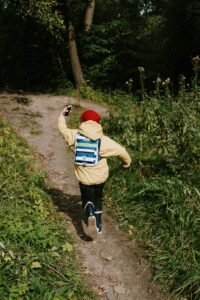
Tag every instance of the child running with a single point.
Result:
(91, 149)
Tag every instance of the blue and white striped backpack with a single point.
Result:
(87, 151)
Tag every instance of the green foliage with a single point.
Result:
(107, 50)
(157, 199)
(36, 254)
(90, 94)
(177, 37)
(33, 46)
(158, 35)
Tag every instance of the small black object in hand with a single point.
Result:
(67, 110)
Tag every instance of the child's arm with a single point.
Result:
(66, 111)
(126, 166)
(111, 148)
(68, 134)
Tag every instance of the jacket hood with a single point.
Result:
(91, 129)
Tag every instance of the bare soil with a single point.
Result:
(113, 264)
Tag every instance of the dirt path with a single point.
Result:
(113, 264)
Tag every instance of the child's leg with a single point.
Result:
(98, 205)
(92, 197)
(87, 196)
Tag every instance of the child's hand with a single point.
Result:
(126, 166)
(66, 110)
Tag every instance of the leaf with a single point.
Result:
(109, 258)
(11, 254)
(99, 289)
(55, 254)
(67, 247)
(7, 258)
(35, 265)
(6, 130)
(197, 191)
(22, 289)
(24, 271)
(2, 245)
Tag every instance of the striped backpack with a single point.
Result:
(87, 151)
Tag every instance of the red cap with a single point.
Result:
(90, 115)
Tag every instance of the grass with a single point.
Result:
(158, 199)
(37, 256)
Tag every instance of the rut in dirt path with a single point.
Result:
(113, 264)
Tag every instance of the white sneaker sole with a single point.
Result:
(92, 231)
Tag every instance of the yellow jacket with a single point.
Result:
(93, 130)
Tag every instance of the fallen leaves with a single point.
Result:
(99, 289)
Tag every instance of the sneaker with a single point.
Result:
(99, 231)
(98, 215)
(92, 228)
(89, 209)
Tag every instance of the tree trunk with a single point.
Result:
(74, 58)
(89, 15)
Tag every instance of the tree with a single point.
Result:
(30, 24)
(175, 37)
(74, 58)
(182, 28)
(89, 15)
(109, 52)
(31, 52)
(69, 12)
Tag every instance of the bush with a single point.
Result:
(157, 199)
(36, 254)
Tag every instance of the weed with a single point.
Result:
(37, 258)
(157, 199)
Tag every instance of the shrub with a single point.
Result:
(36, 254)
(157, 199)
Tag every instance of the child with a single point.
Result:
(92, 178)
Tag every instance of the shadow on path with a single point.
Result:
(71, 205)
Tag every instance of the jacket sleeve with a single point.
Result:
(111, 148)
(67, 134)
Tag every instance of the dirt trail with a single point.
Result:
(113, 264)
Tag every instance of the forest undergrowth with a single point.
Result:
(37, 255)
(158, 199)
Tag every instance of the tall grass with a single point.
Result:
(37, 258)
(158, 199)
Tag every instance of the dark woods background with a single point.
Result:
(159, 35)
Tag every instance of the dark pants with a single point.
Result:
(92, 193)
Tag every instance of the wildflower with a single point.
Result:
(158, 80)
(167, 81)
(141, 69)
(196, 63)
(129, 83)
(196, 59)
(183, 77)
